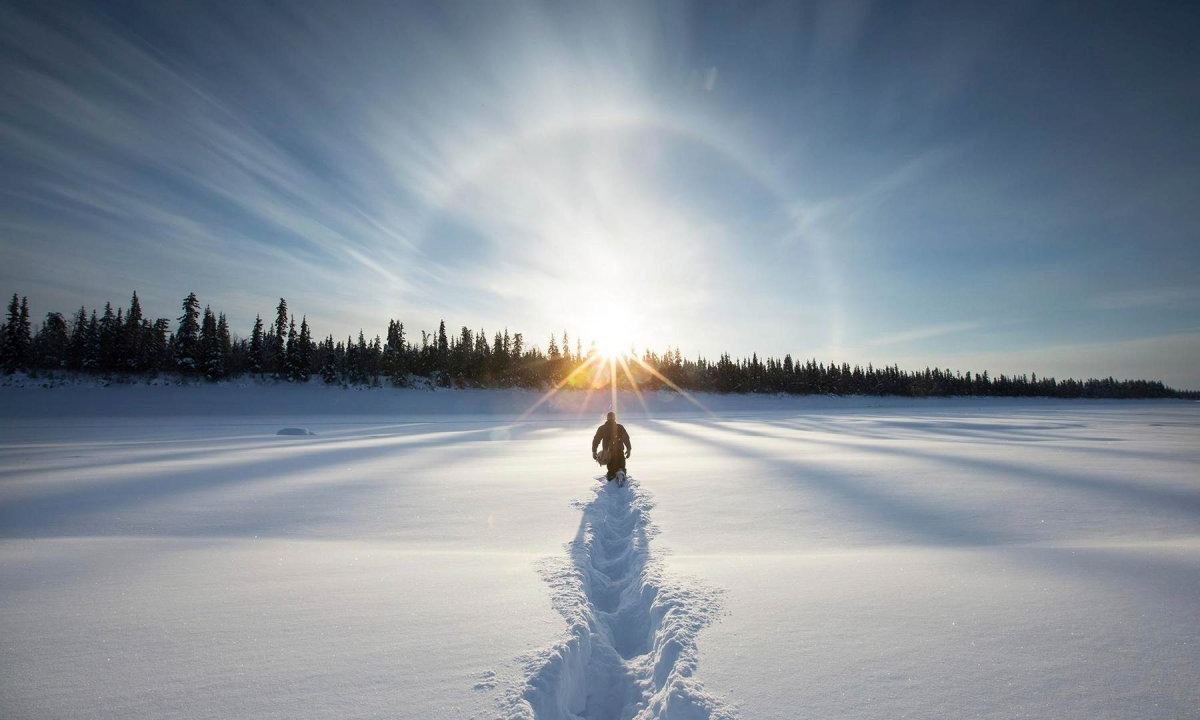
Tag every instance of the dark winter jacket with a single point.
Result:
(606, 435)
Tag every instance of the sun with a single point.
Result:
(610, 349)
(608, 338)
(611, 361)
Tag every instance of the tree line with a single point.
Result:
(200, 344)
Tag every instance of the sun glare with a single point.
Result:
(610, 349)
(609, 340)
(610, 362)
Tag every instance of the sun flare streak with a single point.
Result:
(593, 371)
(579, 369)
(662, 378)
(637, 391)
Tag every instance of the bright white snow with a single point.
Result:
(164, 553)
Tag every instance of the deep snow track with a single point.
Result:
(630, 651)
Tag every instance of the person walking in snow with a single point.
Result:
(613, 441)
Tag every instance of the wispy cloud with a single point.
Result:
(762, 179)
(128, 137)
(917, 334)
(514, 148)
(1144, 298)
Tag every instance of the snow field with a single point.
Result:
(164, 553)
(218, 628)
(944, 562)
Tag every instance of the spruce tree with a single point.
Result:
(9, 344)
(52, 342)
(209, 347)
(110, 333)
(293, 352)
(91, 358)
(224, 344)
(329, 363)
(76, 351)
(498, 361)
(24, 335)
(299, 351)
(303, 362)
(375, 358)
(517, 366)
(255, 355)
(279, 340)
(131, 337)
(160, 345)
(395, 339)
(187, 336)
(356, 359)
(395, 364)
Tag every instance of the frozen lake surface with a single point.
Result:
(166, 553)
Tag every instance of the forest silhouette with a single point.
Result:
(124, 342)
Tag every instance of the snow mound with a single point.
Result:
(295, 431)
(630, 650)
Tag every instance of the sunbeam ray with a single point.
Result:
(633, 385)
(562, 383)
(673, 386)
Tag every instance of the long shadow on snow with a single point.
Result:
(882, 508)
(1172, 500)
(143, 455)
(631, 645)
(77, 509)
(871, 430)
(1160, 573)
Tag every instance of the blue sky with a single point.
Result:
(1001, 186)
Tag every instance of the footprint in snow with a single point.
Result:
(630, 649)
(487, 681)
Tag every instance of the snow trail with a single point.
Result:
(630, 650)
